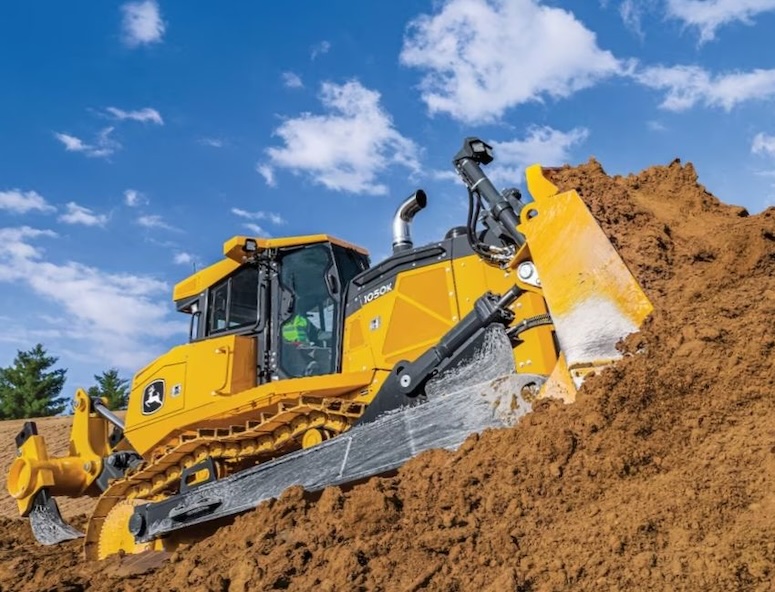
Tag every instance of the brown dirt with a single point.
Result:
(660, 477)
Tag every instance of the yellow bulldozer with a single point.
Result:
(305, 365)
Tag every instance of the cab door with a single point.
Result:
(306, 311)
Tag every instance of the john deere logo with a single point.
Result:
(153, 397)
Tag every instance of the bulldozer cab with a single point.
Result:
(288, 297)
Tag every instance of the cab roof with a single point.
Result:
(234, 251)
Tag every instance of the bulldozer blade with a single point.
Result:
(482, 393)
(592, 296)
(46, 522)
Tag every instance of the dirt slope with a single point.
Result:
(660, 477)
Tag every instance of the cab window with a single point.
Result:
(234, 302)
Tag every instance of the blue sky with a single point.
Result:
(136, 137)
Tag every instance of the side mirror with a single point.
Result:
(193, 328)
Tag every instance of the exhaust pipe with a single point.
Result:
(402, 237)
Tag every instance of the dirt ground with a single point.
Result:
(660, 477)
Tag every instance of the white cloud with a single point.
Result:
(76, 214)
(119, 319)
(145, 115)
(319, 49)
(482, 57)
(349, 146)
(102, 147)
(134, 198)
(292, 80)
(270, 216)
(154, 221)
(445, 175)
(709, 15)
(21, 202)
(72, 143)
(184, 259)
(763, 144)
(544, 145)
(656, 126)
(14, 244)
(256, 230)
(212, 142)
(631, 12)
(687, 86)
(142, 23)
(15, 333)
(267, 172)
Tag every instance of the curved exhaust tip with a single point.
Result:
(421, 197)
(402, 236)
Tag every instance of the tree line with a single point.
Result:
(31, 386)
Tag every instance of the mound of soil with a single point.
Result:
(660, 476)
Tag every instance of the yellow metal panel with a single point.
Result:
(412, 330)
(194, 374)
(243, 366)
(358, 354)
(430, 289)
(539, 186)
(473, 277)
(375, 321)
(404, 321)
(353, 334)
(203, 279)
(171, 368)
(593, 298)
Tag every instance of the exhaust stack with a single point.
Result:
(402, 236)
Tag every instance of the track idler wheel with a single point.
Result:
(116, 536)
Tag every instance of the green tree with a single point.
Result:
(111, 386)
(28, 388)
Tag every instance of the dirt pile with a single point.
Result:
(661, 476)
